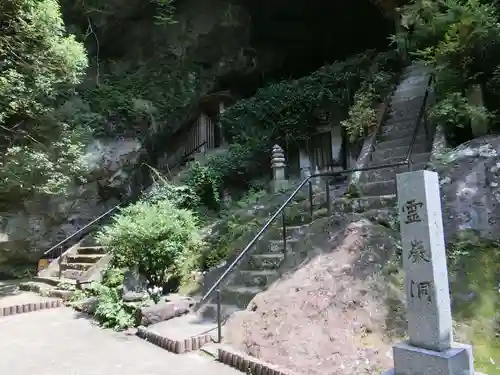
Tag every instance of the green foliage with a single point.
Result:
(455, 38)
(39, 60)
(362, 115)
(205, 180)
(234, 229)
(145, 93)
(476, 262)
(287, 113)
(454, 111)
(155, 237)
(181, 196)
(111, 311)
(288, 110)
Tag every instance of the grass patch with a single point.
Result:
(476, 297)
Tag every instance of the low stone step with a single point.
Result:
(394, 124)
(88, 250)
(209, 311)
(72, 274)
(264, 262)
(255, 278)
(398, 152)
(363, 204)
(402, 133)
(76, 266)
(277, 246)
(388, 173)
(416, 158)
(405, 102)
(88, 258)
(54, 281)
(292, 232)
(377, 188)
(404, 141)
(89, 241)
(238, 295)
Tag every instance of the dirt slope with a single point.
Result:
(329, 315)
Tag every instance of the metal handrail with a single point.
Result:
(110, 211)
(421, 114)
(281, 209)
(406, 162)
(81, 230)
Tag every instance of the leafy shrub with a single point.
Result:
(458, 40)
(155, 237)
(111, 311)
(362, 115)
(454, 111)
(181, 196)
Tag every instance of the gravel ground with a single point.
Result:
(61, 342)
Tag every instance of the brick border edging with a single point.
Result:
(246, 363)
(174, 346)
(30, 307)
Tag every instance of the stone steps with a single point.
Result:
(209, 311)
(81, 261)
(417, 158)
(389, 173)
(278, 247)
(377, 188)
(83, 258)
(384, 143)
(255, 278)
(76, 266)
(399, 152)
(265, 261)
(396, 134)
(405, 134)
(91, 250)
(239, 296)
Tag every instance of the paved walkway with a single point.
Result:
(60, 342)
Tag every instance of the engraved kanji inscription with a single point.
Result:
(421, 290)
(411, 209)
(418, 253)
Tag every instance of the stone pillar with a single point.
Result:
(278, 166)
(430, 348)
(305, 164)
(222, 108)
(337, 140)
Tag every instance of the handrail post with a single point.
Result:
(328, 198)
(219, 319)
(283, 233)
(310, 199)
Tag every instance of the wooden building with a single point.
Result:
(200, 133)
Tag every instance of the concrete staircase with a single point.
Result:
(82, 262)
(396, 133)
(378, 189)
(255, 274)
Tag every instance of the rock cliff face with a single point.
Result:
(40, 222)
(470, 187)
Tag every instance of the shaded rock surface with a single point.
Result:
(134, 286)
(470, 187)
(164, 311)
